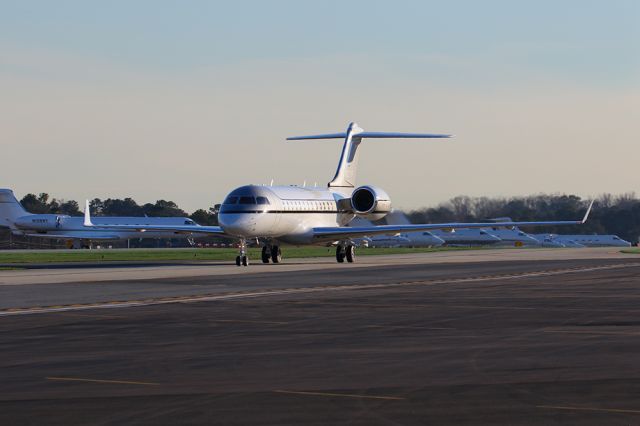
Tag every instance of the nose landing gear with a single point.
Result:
(242, 259)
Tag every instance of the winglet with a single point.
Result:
(586, 215)
(87, 214)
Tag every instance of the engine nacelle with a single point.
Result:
(370, 202)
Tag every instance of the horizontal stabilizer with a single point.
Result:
(372, 135)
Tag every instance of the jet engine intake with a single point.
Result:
(370, 202)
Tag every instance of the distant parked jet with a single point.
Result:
(511, 235)
(72, 229)
(584, 240)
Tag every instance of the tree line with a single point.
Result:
(612, 214)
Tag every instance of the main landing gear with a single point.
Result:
(242, 259)
(346, 252)
(271, 253)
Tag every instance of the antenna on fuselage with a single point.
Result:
(271, 182)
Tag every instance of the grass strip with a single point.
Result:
(195, 254)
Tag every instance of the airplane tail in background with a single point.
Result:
(10, 209)
(396, 217)
(345, 176)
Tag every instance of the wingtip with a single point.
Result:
(586, 215)
(87, 214)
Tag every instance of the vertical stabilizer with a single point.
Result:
(10, 209)
(348, 165)
(397, 217)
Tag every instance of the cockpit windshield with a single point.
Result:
(247, 200)
(262, 200)
(231, 200)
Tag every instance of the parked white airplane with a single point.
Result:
(466, 237)
(547, 240)
(413, 239)
(586, 240)
(294, 215)
(512, 235)
(72, 229)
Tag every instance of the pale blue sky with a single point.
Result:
(84, 79)
(593, 41)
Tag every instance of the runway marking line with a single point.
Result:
(344, 395)
(75, 314)
(118, 382)
(595, 332)
(301, 290)
(252, 322)
(606, 410)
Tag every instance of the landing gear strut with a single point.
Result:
(242, 259)
(346, 252)
(271, 253)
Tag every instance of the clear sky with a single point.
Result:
(187, 100)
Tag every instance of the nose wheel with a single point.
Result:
(242, 259)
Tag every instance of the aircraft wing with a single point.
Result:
(336, 233)
(82, 236)
(186, 229)
(180, 229)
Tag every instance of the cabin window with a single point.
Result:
(247, 200)
(262, 200)
(189, 222)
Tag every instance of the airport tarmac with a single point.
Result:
(553, 339)
(125, 271)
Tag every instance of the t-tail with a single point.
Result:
(345, 176)
(10, 209)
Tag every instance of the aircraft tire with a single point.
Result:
(276, 254)
(245, 261)
(238, 261)
(266, 255)
(340, 254)
(351, 253)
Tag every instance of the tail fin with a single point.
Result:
(347, 167)
(396, 217)
(10, 209)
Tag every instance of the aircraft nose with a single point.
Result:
(237, 224)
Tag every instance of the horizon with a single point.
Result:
(445, 203)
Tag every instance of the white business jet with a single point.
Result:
(303, 216)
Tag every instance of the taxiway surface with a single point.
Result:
(518, 341)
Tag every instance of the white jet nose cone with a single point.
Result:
(238, 224)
